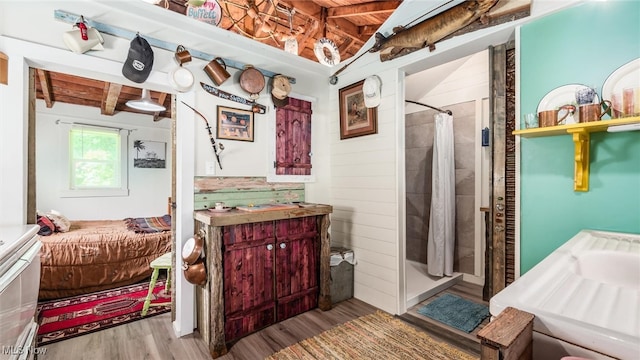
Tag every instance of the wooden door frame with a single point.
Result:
(496, 219)
(31, 207)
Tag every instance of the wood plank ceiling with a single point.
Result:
(348, 23)
(109, 97)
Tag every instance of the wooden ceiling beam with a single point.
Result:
(345, 28)
(110, 95)
(345, 45)
(370, 8)
(314, 11)
(268, 9)
(308, 39)
(45, 85)
(162, 97)
(306, 8)
(368, 30)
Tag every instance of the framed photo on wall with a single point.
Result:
(234, 124)
(355, 118)
(149, 154)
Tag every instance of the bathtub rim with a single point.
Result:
(587, 335)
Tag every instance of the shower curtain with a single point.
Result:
(441, 234)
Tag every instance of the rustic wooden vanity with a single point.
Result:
(262, 267)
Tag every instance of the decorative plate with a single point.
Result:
(224, 209)
(625, 77)
(563, 95)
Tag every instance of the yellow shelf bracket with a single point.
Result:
(581, 142)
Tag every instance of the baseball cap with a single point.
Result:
(280, 91)
(371, 90)
(139, 61)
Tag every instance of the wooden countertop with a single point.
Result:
(235, 216)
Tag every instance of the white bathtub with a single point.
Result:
(585, 294)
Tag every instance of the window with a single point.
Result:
(97, 159)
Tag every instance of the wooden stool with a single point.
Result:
(163, 262)
(508, 337)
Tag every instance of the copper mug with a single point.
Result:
(550, 117)
(182, 55)
(594, 112)
(217, 71)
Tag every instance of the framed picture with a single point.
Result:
(149, 154)
(355, 118)
(234, 124)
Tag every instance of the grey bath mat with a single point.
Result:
(456, 312)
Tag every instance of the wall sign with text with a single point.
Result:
(208, 11)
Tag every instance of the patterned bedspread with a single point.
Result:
(97, 255)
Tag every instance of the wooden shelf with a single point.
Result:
(581, 134)
(594, 126)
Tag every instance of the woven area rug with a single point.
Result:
(375, 336)
(70, 317)
(456, 312)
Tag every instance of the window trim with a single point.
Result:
(65, 182)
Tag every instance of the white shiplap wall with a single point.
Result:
(369, 216)
(364, 196)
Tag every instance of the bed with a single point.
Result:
(97, 255)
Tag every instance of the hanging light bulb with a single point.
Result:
(145, 103)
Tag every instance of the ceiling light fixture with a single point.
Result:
(145, 103)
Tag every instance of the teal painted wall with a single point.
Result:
(580, 45)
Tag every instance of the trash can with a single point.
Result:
(342, 261)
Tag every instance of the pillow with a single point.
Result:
(60, 221)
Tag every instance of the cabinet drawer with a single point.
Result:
(247, 232)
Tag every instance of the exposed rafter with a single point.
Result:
(110, 98)
(349, 24)
(45, 84)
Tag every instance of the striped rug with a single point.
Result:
(375, 336)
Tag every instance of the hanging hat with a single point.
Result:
(371, 90)
(280, 90)
(139, 62)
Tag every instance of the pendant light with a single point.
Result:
(145, 103)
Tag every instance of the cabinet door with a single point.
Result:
(297, 266)
(249, 301)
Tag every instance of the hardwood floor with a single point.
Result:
(153, 338)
